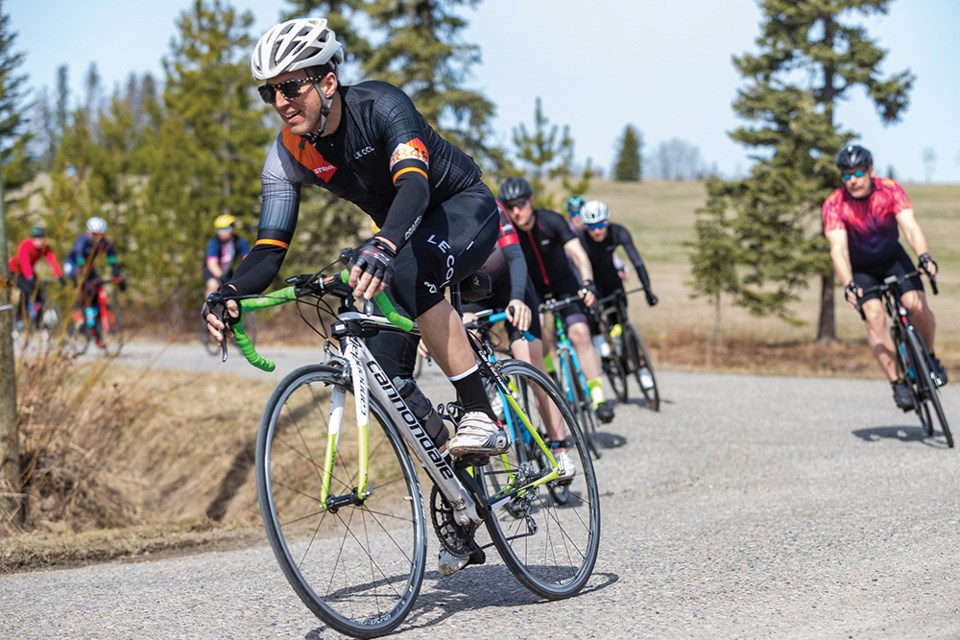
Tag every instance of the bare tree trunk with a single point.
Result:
(9, 438)
(717, 324)
(827, 327)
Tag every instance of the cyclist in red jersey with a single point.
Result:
(28, 254)
(862, 221)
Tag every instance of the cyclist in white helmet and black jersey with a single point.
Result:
(368, 144)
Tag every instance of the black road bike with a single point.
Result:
(913, 358)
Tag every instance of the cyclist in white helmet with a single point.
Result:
(368, 144)
(81, 264)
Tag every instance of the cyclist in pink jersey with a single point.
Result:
(862, 221)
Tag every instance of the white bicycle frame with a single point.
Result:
(369, 380)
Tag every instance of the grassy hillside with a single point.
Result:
(661, 216)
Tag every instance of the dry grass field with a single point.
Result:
(661, 216)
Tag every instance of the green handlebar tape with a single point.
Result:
(383, 303)
(287, 294)
(246, 348)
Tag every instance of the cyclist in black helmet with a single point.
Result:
(862, 221)
(549, 247)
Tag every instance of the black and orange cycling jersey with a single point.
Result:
(605, 271)
(383, 157)
(873, 237)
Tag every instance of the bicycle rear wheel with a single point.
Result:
(111, 331)
(926, 388)
(550, 545)
(358, 566)
(642, 367)
(617, 375)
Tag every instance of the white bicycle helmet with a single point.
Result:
(594, 212)
(295, 44)
(96, 224)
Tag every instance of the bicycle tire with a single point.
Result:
(640, 359)
(552, 548)
(209, 344)
(111, 332)
(926, 387)
(907, 372)
(617, 376)
(78, 337)
(358, 567)
(582, 403)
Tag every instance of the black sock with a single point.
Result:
(472, 394)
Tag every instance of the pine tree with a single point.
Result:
(205, 158)
(342, 16)
(423, 53)
(547, 151)
(811, 55)
(714, 255)
(18, 167)
(629, 167)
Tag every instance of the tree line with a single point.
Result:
(160, 158)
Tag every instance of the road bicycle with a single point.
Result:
(527, 450)
(627, 352)
(913, 359)
(342, 507)
(43, 320)
(570, 377)
(99, 322)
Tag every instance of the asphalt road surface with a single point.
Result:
(748, 507)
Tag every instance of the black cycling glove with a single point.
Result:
(376, 258)
(851, 290)
(652, 299)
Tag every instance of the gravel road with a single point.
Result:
(749, 507)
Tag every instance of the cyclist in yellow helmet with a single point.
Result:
(224, 252)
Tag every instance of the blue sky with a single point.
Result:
(662, 66)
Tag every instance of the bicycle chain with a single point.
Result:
(456, 539)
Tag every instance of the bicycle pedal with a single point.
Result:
(475, 460)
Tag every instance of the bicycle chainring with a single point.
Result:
(456, 539)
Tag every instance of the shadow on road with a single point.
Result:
(471, 590)
(912, 433)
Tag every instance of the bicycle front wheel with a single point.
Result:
(357, 562)
(550, 545)
(642, 367)
(927, 391)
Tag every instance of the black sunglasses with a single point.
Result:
(289, 88)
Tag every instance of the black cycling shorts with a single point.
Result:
(501, 298)
(871, 276)
(452, 244)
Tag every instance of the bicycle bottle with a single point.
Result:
(423, 409)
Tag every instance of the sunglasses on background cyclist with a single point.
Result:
(859, 173)
(291, 89)
(516, 204)
(596, 226)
